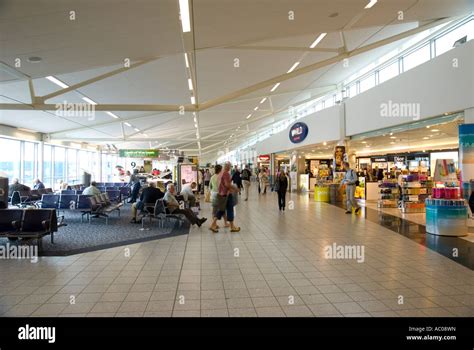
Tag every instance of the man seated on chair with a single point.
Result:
(173, 207)
(91, 190)
(148, 196)
(187, 191)
(17, 186)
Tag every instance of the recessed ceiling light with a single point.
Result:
(392, 143)
(248, 117)
(393, 137)
(426, 138)
(190, 84)
(34, 59)
(370, 4)
(186, 60)
(318, 40)
(137, 130)
(428, 126)
(184, 15)
(263, 100)
(325, 143)
(112, 115)
(128, 124)
(256, 108)
(193, 100)
(57, 81)
(275, 87)
(434, 130)
(364, 141)
(88, 100)
(293, 67)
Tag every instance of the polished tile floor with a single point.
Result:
(276, 266)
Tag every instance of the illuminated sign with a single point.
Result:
(139, 153)
(298, 132)
(264, 158)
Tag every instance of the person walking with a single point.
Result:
(263, 181)
(237, 179)
(350, 180)
(224, 199)
(281, 185)
(246, 175)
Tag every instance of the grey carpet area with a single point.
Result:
(79, 237)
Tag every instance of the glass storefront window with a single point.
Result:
(10, 161)
(416, 58)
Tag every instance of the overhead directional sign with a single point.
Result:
(139, 153)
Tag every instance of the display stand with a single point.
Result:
(321, 194)
(388, 194)
(446, 217)
(416, 188)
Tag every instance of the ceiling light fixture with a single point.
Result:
(393, 137)
(184, 14)
(370, 4)
(190, 84)
(112, 115)
(248, 117)
(293, 67)
(57, 81)
(193, 100)
(325, 143)
(128, 124)
(256, 108)
(318, 40)
(434, 130)
(275, 87)
(137, 130)
(88, 100)
(186, 60)
(263, 100)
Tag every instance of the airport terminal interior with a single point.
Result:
(237, 158)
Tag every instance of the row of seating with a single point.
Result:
(159, 211)
(111, 184)
(29, 223)
(92, 206)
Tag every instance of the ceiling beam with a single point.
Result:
(284, 48)
(103, 107)
(314, 66)
(42, 99)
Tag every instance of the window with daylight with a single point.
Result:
(72, 166)
(416, 58)
(59, 169)
(30, 155)
(446, 42)
(388, 72)
(367, 83)
(10, 161)
(47, 166)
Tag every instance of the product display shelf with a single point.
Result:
(388, 194)
(415, 190)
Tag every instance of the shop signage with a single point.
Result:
(139, 153)
(399, 159)
(379, 160)
(264, 158)
(298, 132)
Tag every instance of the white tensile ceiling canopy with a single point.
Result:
(157, 82)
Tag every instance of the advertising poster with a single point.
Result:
(339, 152)
(188, 172)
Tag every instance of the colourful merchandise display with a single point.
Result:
(446, 217)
